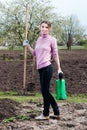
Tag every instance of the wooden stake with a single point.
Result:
(25, 49)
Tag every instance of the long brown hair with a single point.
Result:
(46, 22)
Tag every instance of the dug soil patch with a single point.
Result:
(73, 116)
(73, 64)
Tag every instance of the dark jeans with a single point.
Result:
(45, 78)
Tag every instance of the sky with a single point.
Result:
(71, 7)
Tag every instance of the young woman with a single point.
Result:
(46, 47)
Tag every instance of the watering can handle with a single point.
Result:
(60, 75)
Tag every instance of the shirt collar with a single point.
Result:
(44, 35)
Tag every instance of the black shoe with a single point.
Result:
(55, 116)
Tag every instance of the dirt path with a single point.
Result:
(73, 116)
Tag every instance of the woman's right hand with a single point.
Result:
(25, 42)
(60, 74)
(60, 71)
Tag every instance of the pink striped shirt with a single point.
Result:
(46, 46)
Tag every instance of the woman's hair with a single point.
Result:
(46, 22)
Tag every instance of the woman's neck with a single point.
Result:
(45, 35)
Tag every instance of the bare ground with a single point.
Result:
(74, 67)
(73, 116)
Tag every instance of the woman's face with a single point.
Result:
(44, 28)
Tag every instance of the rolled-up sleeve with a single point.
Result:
(34, 53)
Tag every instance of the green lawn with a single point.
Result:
(60, 47)
(37, 96)
(73, 47)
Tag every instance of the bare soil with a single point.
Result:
(73, 116)
(73, 63)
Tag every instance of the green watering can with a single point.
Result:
(60, 88)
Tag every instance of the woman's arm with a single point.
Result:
(30, 49)
(56, 59)
(54, 51)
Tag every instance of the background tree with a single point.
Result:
(12, 23)
(13, 19)
(72, 30)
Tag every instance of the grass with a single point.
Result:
(73, 47)
(13, 95)
(60, 47)
(80, 98)
(85, 46)
(15, 48)
(18, 48)
(11, 119)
